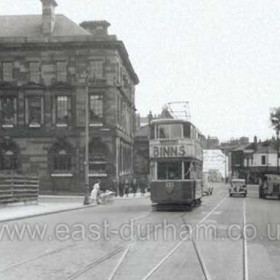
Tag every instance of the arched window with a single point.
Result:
(62, 161)
(61, 158)
(8, 156)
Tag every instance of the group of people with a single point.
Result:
(125, 189)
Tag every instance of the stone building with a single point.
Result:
(253, 160)
(49, 65)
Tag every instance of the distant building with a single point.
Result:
(211, 143)
(45, 61)
(226, 147)
(141, 153)
(253, 160)
(215, 162)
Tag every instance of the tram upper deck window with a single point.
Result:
(169, 131)
(169, 171)
(187, 130)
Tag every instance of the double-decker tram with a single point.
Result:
(175, 148)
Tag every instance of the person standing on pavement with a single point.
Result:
(94, 195)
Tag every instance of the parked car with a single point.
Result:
(238, 187)
(270, 186)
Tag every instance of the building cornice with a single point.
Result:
(62, 43)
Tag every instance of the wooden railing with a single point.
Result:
(17, 188)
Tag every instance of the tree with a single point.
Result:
(275, 123)
(275, 119)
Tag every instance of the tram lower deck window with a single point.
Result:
(169, 170)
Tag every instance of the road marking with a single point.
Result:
(181, 242)
(245, 247)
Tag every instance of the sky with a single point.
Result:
(222, 56)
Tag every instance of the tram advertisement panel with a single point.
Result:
(176, 151)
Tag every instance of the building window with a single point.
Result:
(118, 110)
(8, 161)
(97, 69)
(63, 110)
(97, 158)
(7, 71)
(61, 71)
(62, 161)
(8, 111)
(34, 68)
(96, 108)
(118, 74)
(97, 165)
(34, 111)
(263, 159)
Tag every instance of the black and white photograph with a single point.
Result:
(139, 140)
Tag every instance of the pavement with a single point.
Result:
(49, 204)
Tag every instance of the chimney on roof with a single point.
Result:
(48, 14)
(96, 27)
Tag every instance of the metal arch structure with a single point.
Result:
(178, 110)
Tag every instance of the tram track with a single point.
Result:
(40, 256)
(123, 248)
(244, 245)
(187, 237)
(126, 251)
(92, 264)
(120, 248)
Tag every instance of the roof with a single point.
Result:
(19, 29)
(31, 26)
(265, 148)
(241, 147)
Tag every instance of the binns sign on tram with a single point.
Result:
(175, 151)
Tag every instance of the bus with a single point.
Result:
(176, 158)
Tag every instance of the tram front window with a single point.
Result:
(169, 171)
(163, 131)
(169, 131)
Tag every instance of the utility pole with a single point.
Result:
(278, 152)
(86, 163)
(88, 80)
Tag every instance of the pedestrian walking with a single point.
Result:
(134, 186)
(95, 193)
(126, 187)
(143, 186)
